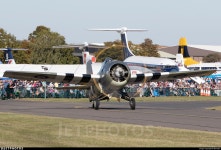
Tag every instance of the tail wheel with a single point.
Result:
(132, 103)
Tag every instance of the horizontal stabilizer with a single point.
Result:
(126, 50)
(120, 30)
(89, 45)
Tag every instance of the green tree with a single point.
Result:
(149, 49)
(41, 42)
(213, 57)
(112, 50)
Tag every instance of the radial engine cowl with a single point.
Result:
(115, 76)
(119, 72)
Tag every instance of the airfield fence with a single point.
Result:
(157, 91)
(37, 89)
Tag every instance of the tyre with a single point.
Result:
(132, 103)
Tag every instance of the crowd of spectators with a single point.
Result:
(36, 89)
(10, 89)
(179, 87)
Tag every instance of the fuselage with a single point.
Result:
(151, 64)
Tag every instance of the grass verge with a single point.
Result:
(215, 108)
(40, 131)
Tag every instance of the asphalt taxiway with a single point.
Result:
(192, 115)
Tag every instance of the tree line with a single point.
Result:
(42, 39)
(40, 42)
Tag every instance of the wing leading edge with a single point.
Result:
(80, 79)
(163, 76)
(88, 79)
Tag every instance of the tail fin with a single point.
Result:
(8, 54)
(126, 50)
(86, 57)
(183, 49)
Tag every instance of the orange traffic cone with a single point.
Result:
(202, 92)
(208, 92)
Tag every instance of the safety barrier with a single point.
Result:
(132, 91)
(36, 93)
(176, 92)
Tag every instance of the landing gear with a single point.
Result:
(131, 100)
(96, 104)
(132, 103)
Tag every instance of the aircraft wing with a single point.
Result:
(80, 79)
(88, 79)
(163, 76)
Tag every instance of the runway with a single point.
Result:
(185, 115)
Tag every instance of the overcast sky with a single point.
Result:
(166, 20)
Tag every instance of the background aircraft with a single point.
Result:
(85, 47)
(8, 54)
(182, 67)
(189, 63)
(183, 49)
(142, 63)
(9, 59)
(206, 66)
(49, 67)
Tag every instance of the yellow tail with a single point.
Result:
(183, 49)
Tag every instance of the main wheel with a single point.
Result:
(93, 104)
(132, 103)
(97, 104)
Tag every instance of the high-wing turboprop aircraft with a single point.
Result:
(109, 81)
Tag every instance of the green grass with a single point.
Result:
(215, 108)
(40, 131)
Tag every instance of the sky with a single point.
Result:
(199, 21)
